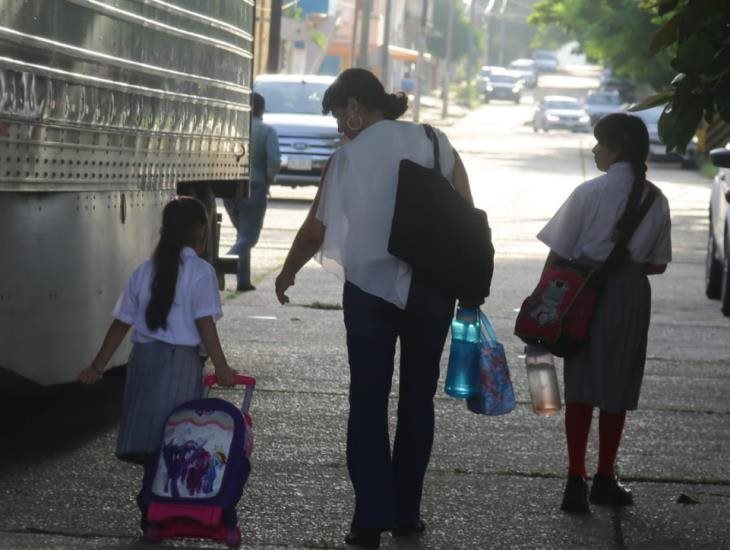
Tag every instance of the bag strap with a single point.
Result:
(488, 333)
(435, 142)
(619, 249)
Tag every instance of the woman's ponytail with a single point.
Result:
(394, 105)
(179, 220)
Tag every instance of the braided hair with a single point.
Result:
(180, 217)
(627, 135)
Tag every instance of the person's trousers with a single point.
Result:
(247, 216)
(388, 486)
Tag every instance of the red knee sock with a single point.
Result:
(577, 426)
(610, 428)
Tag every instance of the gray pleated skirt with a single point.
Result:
(607, 373)
(160, 377)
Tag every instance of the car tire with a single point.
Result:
(725, 292)
(689, 164)
(713, 269)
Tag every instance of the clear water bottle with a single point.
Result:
(542, 380)
(462, 375)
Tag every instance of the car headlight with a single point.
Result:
(516, 89)
(552, 118)
(695, 140)
(585, 118)
(490, 88)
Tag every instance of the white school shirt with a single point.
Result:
(196, 296)
(583, 225)
(357, 203)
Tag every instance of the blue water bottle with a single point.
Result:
(462, 376)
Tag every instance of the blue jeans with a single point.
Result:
(388, 486)
(247, 216)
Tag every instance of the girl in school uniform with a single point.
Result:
(172, 302)
(607, 372)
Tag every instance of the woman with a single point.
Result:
(349, 223)
(607, 372)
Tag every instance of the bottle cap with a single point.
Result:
(467, 314)
(535, 349)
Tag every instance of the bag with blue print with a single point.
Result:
(496, 395)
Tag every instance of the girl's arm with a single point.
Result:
(308, 241)
(114, 336)
(209, 336)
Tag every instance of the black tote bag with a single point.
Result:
(445, 239)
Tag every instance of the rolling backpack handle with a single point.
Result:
(238, 380)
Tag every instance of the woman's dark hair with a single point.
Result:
(365, 87)
(180, 217)
(258, 104)
(626, 135)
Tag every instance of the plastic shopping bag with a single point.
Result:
(496, 395)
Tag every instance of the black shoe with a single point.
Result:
(608, 491)
(408, 529)
(364, 538)
(575, 496)
(245, 288)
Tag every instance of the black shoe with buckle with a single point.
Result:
(364, 538)
(575, 496)
(409, 529)
(607, 491)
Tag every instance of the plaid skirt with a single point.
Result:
(160, 377)
(608, 371)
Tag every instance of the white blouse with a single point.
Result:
(357, 203)
(583, 225)
(196, 296)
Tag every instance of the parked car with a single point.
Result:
(307, 138)
(483, 77)
(717, 263)
(556, 111)
(626, 89)
(526, 68)
(545, 60)
(504, 85)
(657, 149)
(599, 103)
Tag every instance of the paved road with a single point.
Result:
(493, 482)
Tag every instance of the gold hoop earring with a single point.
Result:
(351, 126)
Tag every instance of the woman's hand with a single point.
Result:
(90, 375)
(226, 375)
(283, 281)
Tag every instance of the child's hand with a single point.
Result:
(90, 375)
(225, 376)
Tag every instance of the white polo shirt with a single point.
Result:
(196, 296)
(582, 227)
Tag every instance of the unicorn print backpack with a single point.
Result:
(193, 484)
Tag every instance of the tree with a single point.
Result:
(462, 35)
(697, 35)
(613, 32)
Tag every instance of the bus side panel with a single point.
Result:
(67, 257)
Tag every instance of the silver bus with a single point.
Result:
(107, 109)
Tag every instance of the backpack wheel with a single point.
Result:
(233, 537)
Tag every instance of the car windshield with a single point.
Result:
(304, 98)
(544, 56)
(503, 78)
(563, 104)
(603, 99)
(484, 72)
(650, 116)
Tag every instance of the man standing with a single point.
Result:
(247, 214)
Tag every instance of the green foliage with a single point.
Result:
(697, 34)
(615, 33)
(467, 95)
(462, 32)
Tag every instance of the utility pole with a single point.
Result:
(385, 59)
(272, 63)
(447, 63)
(419, 62)
(365, 34)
